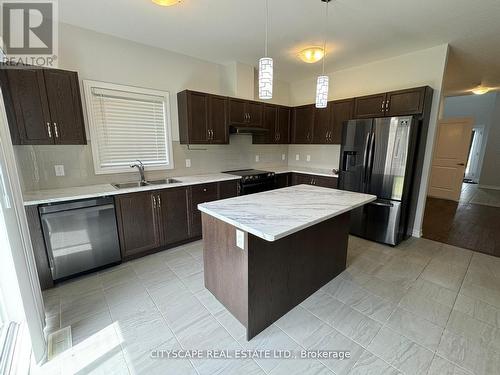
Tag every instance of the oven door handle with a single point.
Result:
(261, 183)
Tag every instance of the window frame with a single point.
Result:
(88, 85)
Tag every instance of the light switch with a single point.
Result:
(283, 156)
(308, 157)
(188, 163)
(240, 239)
(59, 170)
(257, 158)
(297, 157)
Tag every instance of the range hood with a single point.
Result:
(241, 129)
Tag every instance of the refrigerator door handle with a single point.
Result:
(371, 151)
(382, 204)
(365, 156)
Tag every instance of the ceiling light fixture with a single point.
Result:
(480, 90)
(266, 67)
(322, 84)
(311, 55)
(166, 3)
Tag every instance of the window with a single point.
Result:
(127, 124)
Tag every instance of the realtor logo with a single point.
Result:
(29, 32)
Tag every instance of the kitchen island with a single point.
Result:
(265, 253)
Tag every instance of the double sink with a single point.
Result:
(128, 185)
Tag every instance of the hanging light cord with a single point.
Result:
(267, 26)
(326, 33)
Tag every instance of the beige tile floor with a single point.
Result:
(421, 308)
(472, 193)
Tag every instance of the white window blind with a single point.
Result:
(128, 124)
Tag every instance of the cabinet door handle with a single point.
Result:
(204, 190)
(383, 105)
(159, 201)
(56, 132)
(49, 131)
(154, 202)
(387, 105)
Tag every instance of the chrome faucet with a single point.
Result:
(140, 167)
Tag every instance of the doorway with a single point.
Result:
(473, 168)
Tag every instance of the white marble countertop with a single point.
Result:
(314, 171)
(92, 191)
(275, 214)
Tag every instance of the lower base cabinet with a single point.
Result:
(283, 180)
(323, 181)
(174, 215)
(200, 194)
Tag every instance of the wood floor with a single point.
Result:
(472, 226)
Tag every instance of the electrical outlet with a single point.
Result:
(283, 157)
(297, 157)
(59, 170)
(240, 239)
(308, 157)
(188, 163)
(257, 158)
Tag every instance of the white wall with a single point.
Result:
(490, 176)
(425, 67)
(479, 107)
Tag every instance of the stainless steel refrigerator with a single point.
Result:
(378, 157)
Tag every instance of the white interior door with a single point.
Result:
(450, 158)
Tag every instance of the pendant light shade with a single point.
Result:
(322, 84)
(266, 67)
(266, 78)
(322, 92)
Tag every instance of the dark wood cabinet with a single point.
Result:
(302, 124)
(322, 125)
(138, 228)
(174, 215)
(405, 102)
(202, 118)
(283, 126)
(283, 180)
(394, 103)
(200, 194)
(276, 120)
(47, 106)
(369, 106)
(228, 189)
(308, 179)
(341, 111)
(245, 112)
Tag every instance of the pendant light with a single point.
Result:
(266, 67)
(323, 80)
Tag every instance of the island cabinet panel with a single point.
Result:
(228, 189)
(137, 218)
(263, 281)
(202, 118)
(174, 215)
(47, 106)
(302, 124)
(200, 194)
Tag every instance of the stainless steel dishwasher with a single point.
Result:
(80, 235)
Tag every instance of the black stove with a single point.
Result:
(254, 181)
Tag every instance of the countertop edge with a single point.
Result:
(114, 191)
(271, 237)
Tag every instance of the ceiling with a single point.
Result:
(360, 31)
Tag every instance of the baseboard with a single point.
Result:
(493, 187)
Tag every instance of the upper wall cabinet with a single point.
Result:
(302, 124)
(245, 112)
(395, 103)
(46, 106)
(328, 121)
(276, 120)
(202, 118)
